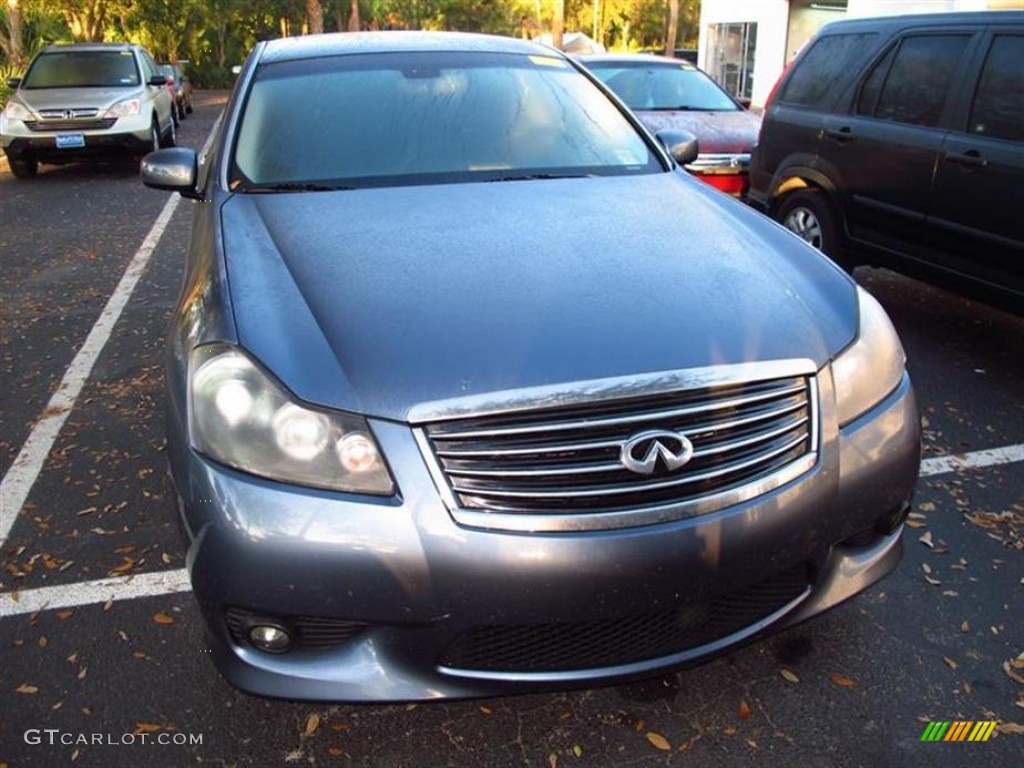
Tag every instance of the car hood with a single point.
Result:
(716, 132)
(38, 99)
(377, 300)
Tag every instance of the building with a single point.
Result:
(746, 44)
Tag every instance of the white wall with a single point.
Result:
(894, 7)
(772, 17)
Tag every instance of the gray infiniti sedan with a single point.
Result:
(460, 405)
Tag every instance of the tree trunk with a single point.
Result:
(673, 28)
(315, 17)
(558, 24)
(12, 46)
(353, 17)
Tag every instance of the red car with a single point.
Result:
(674, 94)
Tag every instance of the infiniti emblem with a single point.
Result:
(641, 451)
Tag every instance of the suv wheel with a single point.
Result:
(180, 106)
(24, 169)
(808, 215)
(171, 137)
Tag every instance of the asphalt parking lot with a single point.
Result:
(104, 662)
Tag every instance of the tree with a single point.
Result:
(353, 16)
(314, 17)
(10, 34)
(673, 28)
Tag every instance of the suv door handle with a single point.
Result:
(842, 135)
(970, 157)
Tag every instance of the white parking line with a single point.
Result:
(938, 465)
(22, 474)
(172, 582)
(90, 592)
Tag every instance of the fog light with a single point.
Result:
(270, 638)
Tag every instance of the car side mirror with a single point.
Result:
(681, 145)
(13, 82)
(160, 80)
(174, 169)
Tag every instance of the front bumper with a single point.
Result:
(127, 136)
(417, 584)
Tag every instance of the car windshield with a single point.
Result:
(420, 118)
(665, 86)
(82, 69)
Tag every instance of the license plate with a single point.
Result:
(70, 140)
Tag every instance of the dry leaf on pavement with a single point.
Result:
(789, 675)
(659, 741)
(312, 724)
(162, 618)
(744, 710)
(842, 681)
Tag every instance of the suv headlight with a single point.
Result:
(239, 416)
(16, 111)
(125, 108)
(872, 367)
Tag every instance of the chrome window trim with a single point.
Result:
(611, 389)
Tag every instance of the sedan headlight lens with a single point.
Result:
(241, 417)
(125, 108)
(16, 111)
(872, 367)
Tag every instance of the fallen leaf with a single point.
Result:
(1015, 728)
(486, 710)
(842, 681)
(730, 730)
(926, 539)
(162, 618)
(659, 741)
(965, 626)
(26, 688)
(108, 605)
(933, 582)
(312, 724)
(577, 750)
(82, 673)
(926, 568)
(789, 675)
(43, 642)
(166, 558)
(147, 727)
(63, 615)
(335, 752)
(58, 705)
(744, 710)
(926, 506)
(1012, 673)
(553, 760)
(950, 662)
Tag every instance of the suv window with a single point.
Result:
(909, 84)
(998, 109)
(824, 63)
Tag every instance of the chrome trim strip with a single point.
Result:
(616, 388)
(616, 466)
(611, 421)
(554, 522)
(615, 490)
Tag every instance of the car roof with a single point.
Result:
(342, 43)
(91, 47)
(924, 20)
(633, 58)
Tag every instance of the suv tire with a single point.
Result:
(24, 169)
(171, 137)
(808, 214)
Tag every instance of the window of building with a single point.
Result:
(732, 56)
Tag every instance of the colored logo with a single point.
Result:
(958, 730)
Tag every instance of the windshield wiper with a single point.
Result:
(682, 108)
(535, 176)
(293, 186)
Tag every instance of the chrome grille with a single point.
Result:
(70, 125)
(566, 461)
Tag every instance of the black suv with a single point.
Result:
(900, 142)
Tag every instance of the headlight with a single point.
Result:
(872, 367)
(16, 111)
(240, 417)
(125, 108)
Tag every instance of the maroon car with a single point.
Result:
(674, 94)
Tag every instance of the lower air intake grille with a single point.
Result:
(595, 644)
(311, 632)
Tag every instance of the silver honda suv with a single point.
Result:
(83, 101)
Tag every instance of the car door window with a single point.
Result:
(872, 86)
(998, 109)
(828, 59)
(913, 89)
